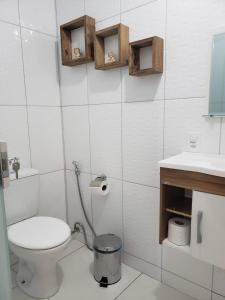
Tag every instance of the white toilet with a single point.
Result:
(37, 241)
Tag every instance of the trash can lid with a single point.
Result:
(107, 243)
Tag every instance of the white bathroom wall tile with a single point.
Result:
(185, 287)
(222, 146)
(146, 288)
(131, 4)
(73, 84)
(40, 64)
(103, 86)
(142, 141)
(11, 72)
(75, 213)
(142, 266)
(99, 10)
(217, 297)
(107, 22)
(46, 138)
(141, 222)
(191, 269)
(107, 210)
(38, 15)
(9, 11)
(186, 116)
(188, 49)
(52, 195)
(13, 129)
(76, 137)
(69, 11)
(143, 88)
(146, 21)
(105, 122)
(218, 281)
(143, 22)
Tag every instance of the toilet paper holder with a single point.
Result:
(98, 179)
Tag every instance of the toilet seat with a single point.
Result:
(39, 233)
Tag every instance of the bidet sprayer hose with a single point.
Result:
(77, 173)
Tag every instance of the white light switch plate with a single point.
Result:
(193, 141)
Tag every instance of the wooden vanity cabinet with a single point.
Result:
(201, 198)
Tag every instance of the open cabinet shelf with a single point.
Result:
(122, 32)
(156, 44)
(88, 24)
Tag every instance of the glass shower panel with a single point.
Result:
(5, 279)
(217, 78)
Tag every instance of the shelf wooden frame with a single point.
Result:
(156, 43)
(173, 184)
(66, 49)
(123, 46)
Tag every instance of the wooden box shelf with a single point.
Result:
(156, 43)
(123, 43)
(66, 41)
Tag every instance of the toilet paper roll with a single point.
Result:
(179, 230)
(100, 187)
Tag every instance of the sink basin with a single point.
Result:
(210, 164)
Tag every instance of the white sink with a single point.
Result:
(197, 162)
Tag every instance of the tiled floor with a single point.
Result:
(78, 282)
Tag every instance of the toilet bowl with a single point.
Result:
(39, 242)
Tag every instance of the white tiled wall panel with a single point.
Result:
(73, 83)
(222, 146)
(38, 15)
(218, 281)
(146, 21)
(217, 297)
(70, 10)
(99, 10)
(76, 135)
(46, 134)
(191, 269)
(105, 122)
(75, 213)
(186, 116)
(185, 287)
(142, 141)
(11, 71)
(107, 211)
(141, 222)
(52, 195)
(142, 266)
(40, 64)
(13, 129)
(130, 4)
(9, 11)
(103, 86)
(188, 59)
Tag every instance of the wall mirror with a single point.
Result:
(217, 77)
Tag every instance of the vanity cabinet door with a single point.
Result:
(208, 228)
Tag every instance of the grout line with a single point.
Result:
(25, 90)
(128, 286)
(71, 252)
(62, 122)
(149, 263)
(220, 136)
(192, 282)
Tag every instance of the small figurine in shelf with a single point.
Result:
(76, 54)
(111, 57)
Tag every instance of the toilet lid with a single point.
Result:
(39, 233)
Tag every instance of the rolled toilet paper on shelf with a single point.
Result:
(99, 186)
(179, 231)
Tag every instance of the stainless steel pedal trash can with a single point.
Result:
(107, 259)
